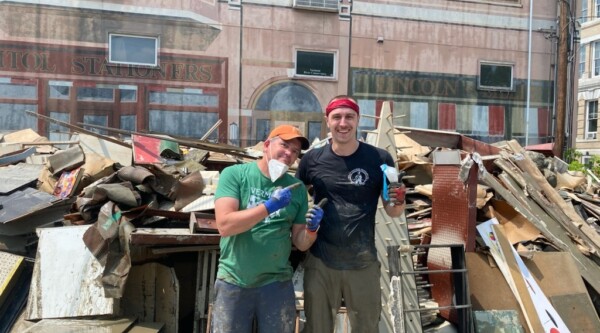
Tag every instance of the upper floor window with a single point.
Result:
(133, 50)
(597, 58)
(315, 64)
(495, 76)
(591, 120)
(18, 89)
(584, 11)
(582, 49)
(597, 7)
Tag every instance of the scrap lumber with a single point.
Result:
(78, 129)
(214, 147)
(547, 226)
(539, 183)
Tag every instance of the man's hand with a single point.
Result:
(280, 198)
(397, 193)
(313, 218)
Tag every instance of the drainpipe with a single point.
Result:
(528, 73)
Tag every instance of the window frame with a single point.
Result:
(582, 60)
(111, 51)
(333, 75)
(587, 134)
(481, 86)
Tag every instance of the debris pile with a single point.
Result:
(105, 232)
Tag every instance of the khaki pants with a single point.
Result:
(324, 289)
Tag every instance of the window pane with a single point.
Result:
(128, 95)
(96, 120)
(187, 124)
(59, 92)
(133, 50)
(95, 94)
(183, 99)
(495, 76)
(13, 117)
(18, 91)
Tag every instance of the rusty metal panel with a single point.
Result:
(171, 236)
(453, 222)
(66, 279)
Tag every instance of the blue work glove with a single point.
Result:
(280, 198)
(313, 218)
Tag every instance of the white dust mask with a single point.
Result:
(276, 168)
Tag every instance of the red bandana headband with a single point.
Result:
(341, 103)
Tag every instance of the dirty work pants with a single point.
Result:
(273, 306)
(323, 291)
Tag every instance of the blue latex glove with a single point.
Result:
(313, 218)
(280, 198)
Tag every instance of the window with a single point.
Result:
(316, 64)
(59, 89)
(584, 11)
(596, 58)
(185, 97)
(133, 50)
(582, 60)
(14, 89)
(597, 3)
(495, 76)
(591, 120)
(95, 94)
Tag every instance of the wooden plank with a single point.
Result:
(508, 269)
(572, 221)
(588, 268)
(171, 236)
(557, 275)
(482, 276)
(549, 318)
(167, 298)
(139, 297)
(119, 325)
(147, 327)
(66, 277)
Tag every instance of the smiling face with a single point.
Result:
(284, 151)
(342, 123)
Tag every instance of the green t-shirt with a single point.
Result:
(260, 255)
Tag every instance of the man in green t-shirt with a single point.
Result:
(260, 211)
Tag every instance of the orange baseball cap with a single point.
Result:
(289, 132)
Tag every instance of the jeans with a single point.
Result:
(272, 306)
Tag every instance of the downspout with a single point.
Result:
(348, 88)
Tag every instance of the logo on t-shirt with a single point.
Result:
(358, 177)
(257, 197)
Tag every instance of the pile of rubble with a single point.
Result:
(105, 232)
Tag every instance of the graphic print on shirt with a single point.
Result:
(358, 177)
(257, 197)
